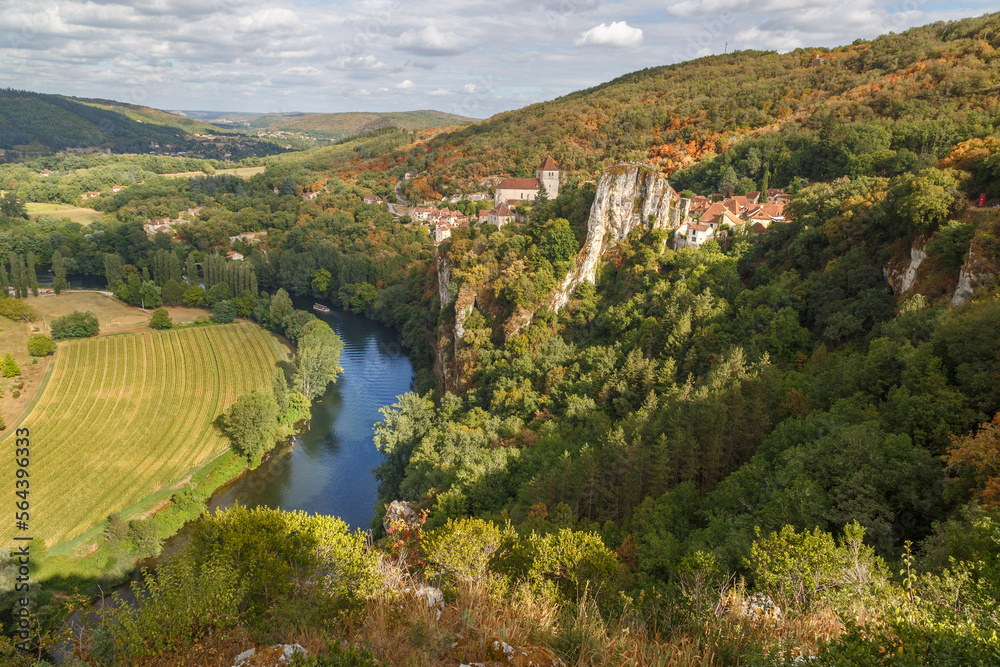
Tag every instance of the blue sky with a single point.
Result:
(470, 57)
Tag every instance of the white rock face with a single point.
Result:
(444, 279)
(917, 256)
(965, 279)
(282, 654)
(628, 196)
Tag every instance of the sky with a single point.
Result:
(468, 57)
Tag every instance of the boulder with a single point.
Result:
(400, 514)
(272, 656)
(432, 597)
(524, 656)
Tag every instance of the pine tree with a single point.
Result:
(253, 282)
(765, 183)
(59, 269)
(10, 368)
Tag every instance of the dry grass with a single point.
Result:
(80, 214)
(242, 172)
(108, 310)
(14, 340)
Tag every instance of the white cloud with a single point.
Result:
(432, 42)
(405, 85)
(440, 92)
(619, 34)
(469, 88)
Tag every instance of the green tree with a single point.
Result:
(172, 292)
(281, 307)
(59, 269)
(10, 367)
(192, 269)
(40, 345)
(321, 283)
(224, 312)
(251, 425)
(149, 295)
(218, 292)
(75, 325)
(11, 207)
(317, 358)
(729, 181)
(161, 319)
(194, 296)
(558, 243)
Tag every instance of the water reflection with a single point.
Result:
(328, 471)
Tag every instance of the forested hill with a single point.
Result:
(894, 100)
(334, 126)
(33, 124)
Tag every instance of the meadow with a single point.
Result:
(124, 416)
(80, 214)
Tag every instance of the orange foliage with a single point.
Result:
(970, 153)
(980, 452)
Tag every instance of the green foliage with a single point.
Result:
(224, 312)
(951, 243)
(161, 319)
(251, 425)
(173, 292)
(75, 325)
(10, 367)
(194, 296)
(40, 345)
(17, 310)
(462, 548)
(339, 655)
(317, 359)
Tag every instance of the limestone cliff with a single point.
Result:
(443, 278)
(628, 196)
(901, 272)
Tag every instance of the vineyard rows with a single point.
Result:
(124, 416)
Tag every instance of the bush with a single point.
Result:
(461, 548)
(224, 312)
(15, 393)
(15, 309)
(202, 319)
(75, 325)
(339, 656)
(161, 319)
(41, 345)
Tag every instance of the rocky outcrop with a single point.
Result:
(902, 274)
(400, 514)
(464, 303)
(966, 281)
(524, 656)
(444, 278)
(628, 197)
(272, 656)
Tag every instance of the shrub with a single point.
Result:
(161, 319)
(15, 393)
(15, 309)
(461, 548)
(202, 319)
(75, 325)
(41, 345)
(339, 656)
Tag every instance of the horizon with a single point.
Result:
(331, 56)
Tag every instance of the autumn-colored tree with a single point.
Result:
(979, 453)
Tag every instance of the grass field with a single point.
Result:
(125, 416)
(84, 216)
(242, 172)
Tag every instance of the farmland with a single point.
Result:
(124, 416)
(84, 216)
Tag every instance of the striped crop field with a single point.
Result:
(125, 416)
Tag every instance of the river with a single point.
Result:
(329, 468)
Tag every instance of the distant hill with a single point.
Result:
(331, 125)
(33, 124)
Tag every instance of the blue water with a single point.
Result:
(329, 469)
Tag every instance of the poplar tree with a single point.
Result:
(31, 271)
(59, 269)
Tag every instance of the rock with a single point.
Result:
(400, 514)
(628, 196)
(758, 606)
(272, 656)
(444, 279)
(433, 597)
(965, 281)
(525, 656)
(902, 273)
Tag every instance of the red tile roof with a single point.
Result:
(548, 164)
(519, 184)
(699, 228)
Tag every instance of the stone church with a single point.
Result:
(518, 190)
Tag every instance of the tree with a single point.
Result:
(172, 292)
(321, 283)
(161, 319)
(558, 242)
(224, 312)
(294, 324)
(194, 296)
(317, 358)
(218, 292)
(979, 454)
(765, 185)
(31, 269)
(75, 325)
(192, 269)
(10, 367)
(729, 181)
(251, 425)
(149, 295)
(11, 207)
(41, 345)
(113, 269)
(59, 269)
(281, 307)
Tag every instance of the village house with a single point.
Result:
(117, 188)
(442, 231)
(500, 215)
(250, 238)
(373, 199)
(692, 235)
(527, 189)
(89, 195)
(234, 256)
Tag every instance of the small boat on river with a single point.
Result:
(321, 308)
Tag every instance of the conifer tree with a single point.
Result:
(4, 280)
(31, 272)
(10, 367)
(59, 269)
(192, 269)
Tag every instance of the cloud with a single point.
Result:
(440, 92)
(432, 42)
(618, 34)
(469, 88)
(405, 85)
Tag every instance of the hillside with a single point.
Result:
(38, 124)
(918, 93)
(333, 126)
